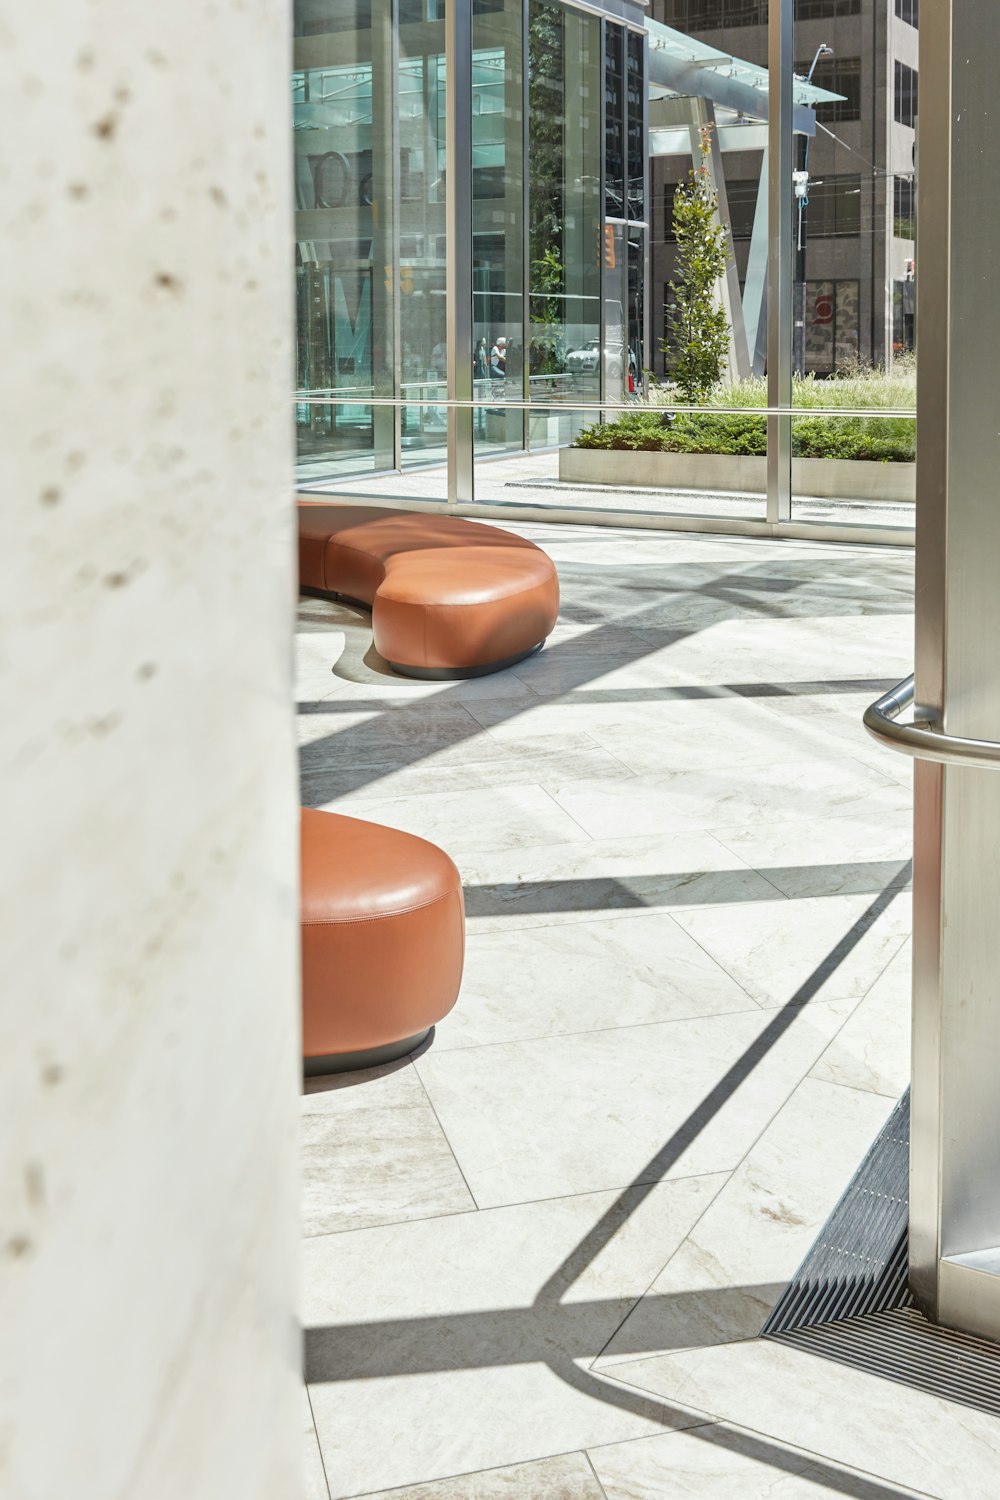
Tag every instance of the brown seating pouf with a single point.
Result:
(383, 941)
(449, 597)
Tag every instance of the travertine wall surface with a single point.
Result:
(148, 906)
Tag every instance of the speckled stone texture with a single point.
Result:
(148, 937)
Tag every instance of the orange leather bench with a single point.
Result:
(449, 597)
(383, 941)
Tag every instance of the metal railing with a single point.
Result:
(924, 740)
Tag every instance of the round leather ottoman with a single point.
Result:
(383, 941)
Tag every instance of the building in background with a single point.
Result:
(859, 221)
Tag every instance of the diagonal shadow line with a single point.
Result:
(548, 1305)
(574, 1265)
(500, 1337)
(670, 1152)
(682, 693)
(725, 591)
(602, 893)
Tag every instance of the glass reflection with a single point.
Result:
(565, 241)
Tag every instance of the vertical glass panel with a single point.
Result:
(636, 143)
(497, 224)
(341, 93)
(854, 257)
(422, 233)
(636, 314)
(565, 242)
(614, 121)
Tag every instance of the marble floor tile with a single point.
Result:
(371, 736)
(456, 1344)
(725, 1278)
(837, 728)
(313, 1473)
(566, 1477)
(512, 817)
(538, 887)
(575, 1114)
(479, 764)
(746, 649)
(904, 1437)
(774, 793)
(374, 1153)
(716, 1462)
(817, 948)
(872, 1049)
(837, 855)
(550, 674)
(730, 732)
(593, 975)
(390, 689)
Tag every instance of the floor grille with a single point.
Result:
(849, 1300)
(858, 1263)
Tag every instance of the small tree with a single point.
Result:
(698, 329)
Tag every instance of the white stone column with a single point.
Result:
(148, 901)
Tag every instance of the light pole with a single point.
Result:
(801, 184)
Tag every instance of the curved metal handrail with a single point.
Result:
(924, 740)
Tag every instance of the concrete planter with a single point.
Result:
(819, 478)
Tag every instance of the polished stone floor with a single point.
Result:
(538, 1255)
(533, 479)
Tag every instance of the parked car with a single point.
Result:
(584, 361)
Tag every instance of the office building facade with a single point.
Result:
(858, 218)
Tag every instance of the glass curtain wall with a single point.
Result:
(423, 236)
(498, 216)
(564, 216)
(576, 335)
(557, 280)
(345, 236)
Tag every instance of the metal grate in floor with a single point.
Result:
(849, 1300)
(858, 1263)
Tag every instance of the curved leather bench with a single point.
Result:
(383, 941)
(449, 597)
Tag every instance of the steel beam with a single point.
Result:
(458, 264)
(955, 1151)
(779, 266)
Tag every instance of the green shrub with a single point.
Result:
(721, 434)
(642, 430)
(877, 439)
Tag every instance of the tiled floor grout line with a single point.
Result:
(597, 1478)
(588, 836)
(642, 1297)
(446, 1137)
(557, 1036)
(499, 1208)
(319, 1445)
(811, 1454)
(475, 1473)
(853, 1088)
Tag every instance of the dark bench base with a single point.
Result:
(459, 674)
(428, 674)
(369, 1057)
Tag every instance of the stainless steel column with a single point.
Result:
(955, 1164)
(458, 224)
(779, 268)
